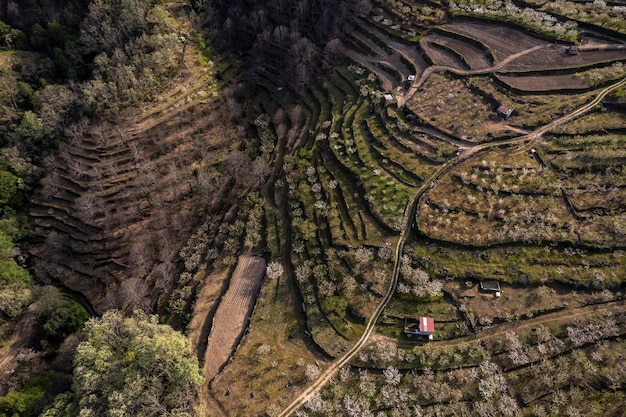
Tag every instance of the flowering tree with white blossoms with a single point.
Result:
(538, 21)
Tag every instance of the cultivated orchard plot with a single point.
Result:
(596, 12)
(447, 104)
(510, 201)
(481, 204)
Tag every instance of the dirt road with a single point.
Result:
(564, 316)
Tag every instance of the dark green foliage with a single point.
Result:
(30, 399)
(335, 305)
(197, 5)
(6, 245)
(14, 284)
(12, 38)
(10, 273)
(65, 320)
(14, 279)
(59, 315)
(64, 65)
(64, 405)
(23, 403)
(59, 36)
(31, 127)
(26, 94)
(132, 367)
(23, 14)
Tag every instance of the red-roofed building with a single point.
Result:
(421, 326)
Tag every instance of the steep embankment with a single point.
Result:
(119, 197)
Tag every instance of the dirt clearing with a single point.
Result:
(232, 314)
(200, 324)
(539, 83)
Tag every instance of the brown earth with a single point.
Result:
(441, 54)
(515, 302)
(208, 296)
(232, 314)
(496, 38)
(22, 336)
(119, 197)
(475, 57)
(557, 58)
(539, 83)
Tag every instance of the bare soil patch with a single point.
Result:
(539, 83)
(409, 52)
(22, 336)
(200, 324)
(270, 362)
(232, 315)
(474, 57)
(441, 54)
(515, 302)
(554, 58)
(449, 105)
(502, 41)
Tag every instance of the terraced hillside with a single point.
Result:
(121, 197)
(100, 210)
(409, 183)
(452, 145)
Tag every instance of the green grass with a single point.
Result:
(523, 264)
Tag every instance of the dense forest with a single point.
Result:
(284, 41)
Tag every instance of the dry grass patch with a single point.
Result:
(531, 110)
(547, 83)
(270, 365)
(515, 303)
(205, 302)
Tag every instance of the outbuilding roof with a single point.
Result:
(424, 326)
(490, 286)
(427, 325)
(573, 50)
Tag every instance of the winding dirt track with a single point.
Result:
(481, 71)
(410, 214)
